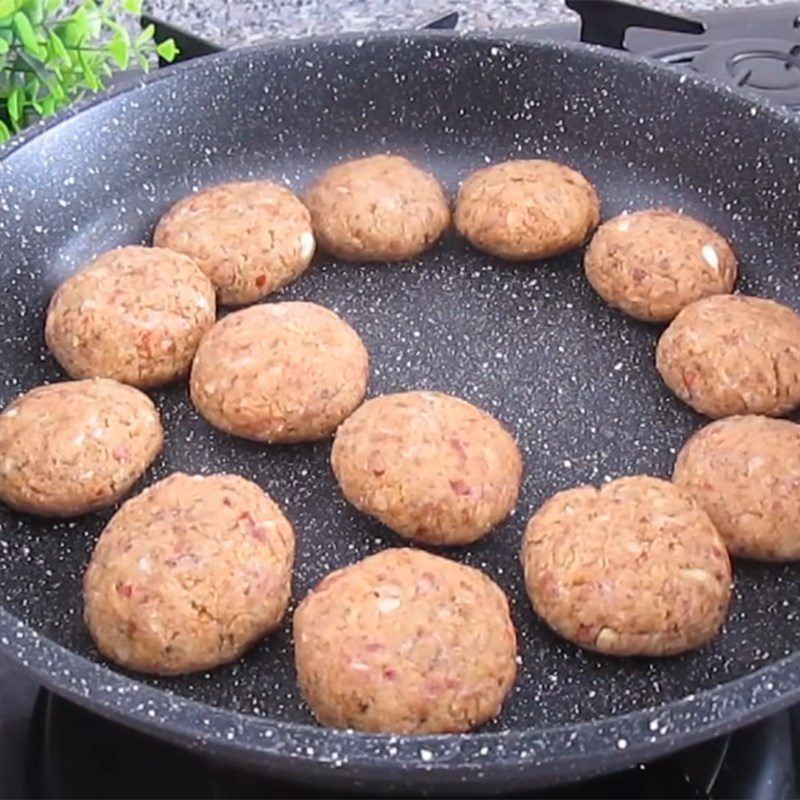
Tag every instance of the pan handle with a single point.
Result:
(606, 22)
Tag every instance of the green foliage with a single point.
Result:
(52, 52)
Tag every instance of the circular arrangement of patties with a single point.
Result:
(526, 209)
(280, 372)
(73, 447)
(432, 467)
(651, 264)
(405, 642)
(135, 314)
(731, 354)
(249, 237)
(633, 568)
(196, 569)
(189, 574)
(745, 472)
(379, 208)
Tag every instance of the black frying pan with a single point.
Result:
(533, 344)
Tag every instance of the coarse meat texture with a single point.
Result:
(745, 472)
(188, 574)
(135, 314)
(405, 642)
(527, 210)
(73, 447)
(379, 208)
(249, 237)
(733, 354)
(633, 568)
(433, 468)
(280, 372)
(651, 264)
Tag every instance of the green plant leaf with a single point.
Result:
(71, 31)
(57, 47)
(27, 35)
(120, 48)
(167, 49)
(52, 6)
(3, 46)
(48, 105)
(32, 86)
(141, 58)
(33, 10)
(8, 8)
(5, 133)
(132, 6)
(146, 35)
(94, 20)
(89, 76)
(15, 106)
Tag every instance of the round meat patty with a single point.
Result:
(280, 372)
(189, 574)
(731, 354)
(73, 447)
(527, 209)
(745, 472)
(633, 568)
(433, 468)
(380, 208)
(653, 263)
(135, 314)
(405, 642)
(249, 237)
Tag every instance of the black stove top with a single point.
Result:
(51, 748)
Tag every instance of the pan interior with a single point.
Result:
(573, 380)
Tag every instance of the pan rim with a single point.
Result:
(612, 743)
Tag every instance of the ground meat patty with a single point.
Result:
(633, 568)
(73, 447)
(433, 468)
(135, 314)
(380, 208)
(249, 237)
(188, 574)
(280, 372)
(405, 642)
(653, 263)
(745, 472)
(731, 354)
(527, 209)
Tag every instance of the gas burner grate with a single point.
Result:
(755, 49)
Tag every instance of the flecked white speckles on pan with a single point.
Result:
(534, 346)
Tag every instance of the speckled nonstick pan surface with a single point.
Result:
(574, 380)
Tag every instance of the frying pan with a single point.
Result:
(573, 379)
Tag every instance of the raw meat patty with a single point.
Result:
(433, 468)
(731, 354)
(135, 314)
(249, 237)
(527, 209)
(652, 263)
(380, 208)
(280, 372)
(633, 568)
(189, 574)
(745, 472)
(73, 447)
(405, 642)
